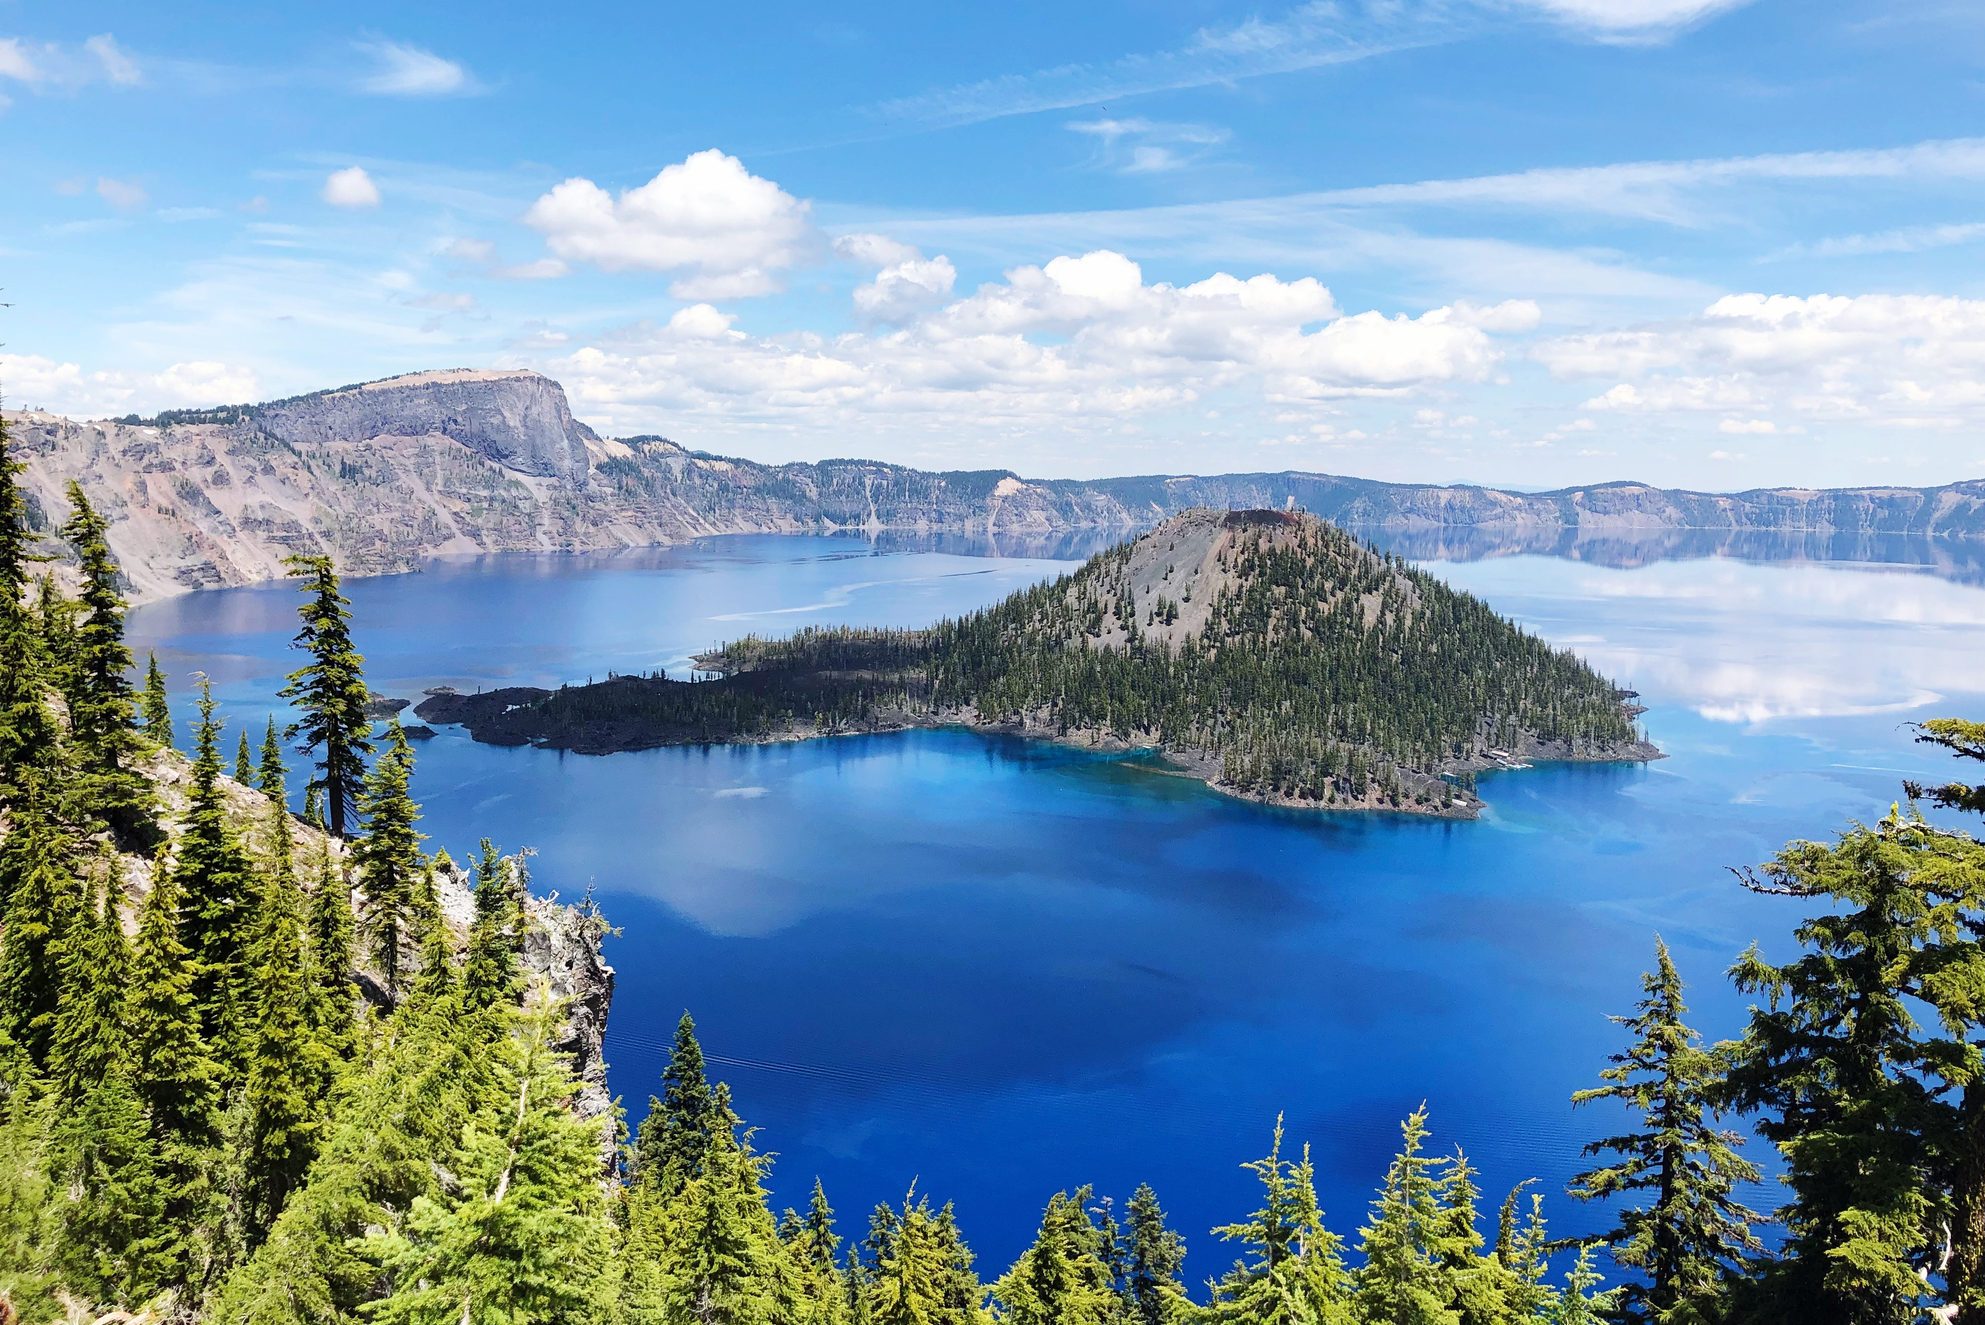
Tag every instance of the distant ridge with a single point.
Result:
(384, 475)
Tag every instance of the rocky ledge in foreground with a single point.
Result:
(1267, 653)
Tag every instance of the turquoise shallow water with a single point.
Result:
(998, 968)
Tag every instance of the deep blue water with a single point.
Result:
(997, 969)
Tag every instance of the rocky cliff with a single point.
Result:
(384, 475)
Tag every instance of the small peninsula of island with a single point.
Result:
(1268, 653)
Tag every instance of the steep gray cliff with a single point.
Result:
(519, 419)
(385, 475)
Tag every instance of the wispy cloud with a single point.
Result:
(57, 67)
(403, 70)
(1137, 146)
(1311, 36)
(1903, 239)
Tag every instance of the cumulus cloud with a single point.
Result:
(35, 382)
(1081, 336)
(907, 283)
(720, 230)
(1898, 360)
(351, 187)
(400, 70)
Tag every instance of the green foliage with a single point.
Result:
(1065, 1277)
(153, 705)
(1152, 1286)
(1293, 1270)
(43, 898)
(216, 884)
(389, 860)
(102, 704)
(329, 691)
(1691, 1229)
(682, 1124)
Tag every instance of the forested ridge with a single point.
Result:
(252, 1071)
(1270, 652)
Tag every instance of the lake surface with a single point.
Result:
(998, 969)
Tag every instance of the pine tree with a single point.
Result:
(523, 1235)
(244, 761)
(330, 691)
(1693, 1229)
(29, 1235)
(271, 775)
(388, 858)
(1401, 1281)
(1064, 1278)
(172, 1072)
(215, 882)
(670, 1143)
(1157, 1256)
(497, 933)
(917, 1272)
(153, 704)
(88, 1044)
(288, 1069)
(118, 1240)
(333, 992)
(813, 1251)
(1844, 1077)
(102, 705)
(1293, 1273)
(44, 900)
(30, 740)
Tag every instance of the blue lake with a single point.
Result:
(997, 969)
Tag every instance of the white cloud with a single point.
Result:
(474, 252)
(1634, 19)
(401, 70)
(117, 64)
(1903, 239)
(35, 382)
(1896, 360)
(907, 284)
(1747, 428)
(1136, 146)
(720, 230)
(1078, 337)
(123, 194)
(351, 188)
(537, 269)
(53, 66)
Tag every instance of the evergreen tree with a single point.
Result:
(389, 860)
(1293, 1273)
(813, 1251)
(523, 1235)
(28, 1230)
(917, 1270)
(288, 1069)
(1689, 1227)
(1064, 1278)
(270, 773)
(496, 935)
(153, 704)
(44, 899)
(670, 1143)
(244, 761)
(30, 740)
(102, 705)
(333, 992)
(215, 882)
(118, 1241)
(1403, 1281)
(1845, 1079)
(88, 1044)
(330, 692)
(172, 1072)
(1157, 1256)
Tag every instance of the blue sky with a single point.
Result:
(1706, 242)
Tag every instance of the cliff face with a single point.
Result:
(517, 419)
(385, 475)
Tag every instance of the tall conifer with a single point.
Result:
(216, 885)
(389, 863)
(330, 692)
(153, 703)
(1682, 1226)
(102, 704)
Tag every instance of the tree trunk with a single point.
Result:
(1965, 1275)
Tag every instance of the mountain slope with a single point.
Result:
(385, 475)
(1267, 652)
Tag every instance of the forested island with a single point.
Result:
(1268, 653)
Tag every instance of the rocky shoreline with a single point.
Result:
(511, 716)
